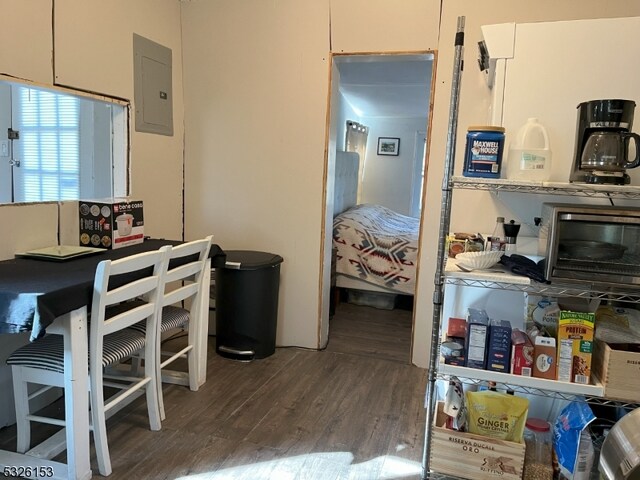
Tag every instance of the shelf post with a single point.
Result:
(445, 217)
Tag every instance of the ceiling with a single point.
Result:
(386, 85)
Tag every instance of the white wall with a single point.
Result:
(388, 179)
(256, 123)
(93, 47)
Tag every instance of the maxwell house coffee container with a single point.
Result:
(483, 154)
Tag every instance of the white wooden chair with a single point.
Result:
(110, 341)
(183, 287)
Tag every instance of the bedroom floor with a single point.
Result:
(371, 332)
(353, 411)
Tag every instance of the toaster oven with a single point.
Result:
(591, 243)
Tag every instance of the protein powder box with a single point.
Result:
(483, 153)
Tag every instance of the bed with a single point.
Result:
(375, 248)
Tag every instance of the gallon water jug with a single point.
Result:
(529, 153)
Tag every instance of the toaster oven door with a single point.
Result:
(597, 248)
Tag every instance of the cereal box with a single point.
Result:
(575, 345)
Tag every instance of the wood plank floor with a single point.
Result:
(352, 411)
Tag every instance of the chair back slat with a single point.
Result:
(142, 275)
(184, 292)
(189, 274)
(135, 289)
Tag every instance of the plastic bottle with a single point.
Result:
(529, 156)
(496, 241)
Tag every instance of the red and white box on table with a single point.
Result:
(111, 223)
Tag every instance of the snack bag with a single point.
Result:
(454, 405)
(571, 422)
(497, 415)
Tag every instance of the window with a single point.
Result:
(61, 144)
(49, 148)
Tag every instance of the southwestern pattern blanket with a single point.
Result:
(377, 245)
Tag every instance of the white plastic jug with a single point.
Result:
(529, 153)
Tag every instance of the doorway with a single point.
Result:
(390, 95)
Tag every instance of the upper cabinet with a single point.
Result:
(27, 40)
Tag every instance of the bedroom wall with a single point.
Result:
(388, 179)
(256, 117)
(475, 210)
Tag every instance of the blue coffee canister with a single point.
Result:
(483, 153)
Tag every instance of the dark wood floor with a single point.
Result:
(352, 411)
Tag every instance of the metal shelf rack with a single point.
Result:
(448, 274)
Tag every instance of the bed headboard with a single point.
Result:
(345, 193)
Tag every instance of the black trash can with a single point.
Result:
(247, 304)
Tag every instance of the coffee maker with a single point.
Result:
(601, 117)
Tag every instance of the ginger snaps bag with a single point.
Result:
(497, 415)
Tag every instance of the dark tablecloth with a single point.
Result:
(34, 292)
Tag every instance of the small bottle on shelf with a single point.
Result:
(496, 241)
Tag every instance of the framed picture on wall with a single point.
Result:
(388, 146)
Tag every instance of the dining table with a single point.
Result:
(42, 296)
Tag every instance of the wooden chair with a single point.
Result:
(110, 341)
(183, 287)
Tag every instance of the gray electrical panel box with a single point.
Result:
(153, 95)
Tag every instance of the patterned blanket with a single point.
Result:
(377, 245)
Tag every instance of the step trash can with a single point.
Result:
(247, 304)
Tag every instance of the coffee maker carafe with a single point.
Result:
(603, 137)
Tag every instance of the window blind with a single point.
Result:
(49, 146)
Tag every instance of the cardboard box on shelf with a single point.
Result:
(544, 361)
(477, 335)
(522, 353)
(576, 326)
(617, 367)
(499, 346)
(111, 223)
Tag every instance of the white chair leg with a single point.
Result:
(21, 397)
(155, 404)
(158, 380)
(99, 424)
(192, 358)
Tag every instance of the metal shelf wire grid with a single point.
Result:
(550, 188)
(587, 291)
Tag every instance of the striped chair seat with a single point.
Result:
(47, 353)
(172, 317)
